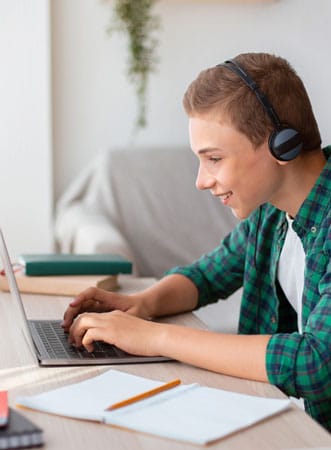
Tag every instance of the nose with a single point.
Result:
(204, 179)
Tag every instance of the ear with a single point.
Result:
(281, 163)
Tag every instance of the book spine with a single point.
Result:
(63, 285)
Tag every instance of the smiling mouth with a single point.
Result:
(225, 196)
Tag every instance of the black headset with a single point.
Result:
(285, 143)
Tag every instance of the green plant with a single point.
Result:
(136, 19)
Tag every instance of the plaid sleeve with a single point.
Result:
(219, 273)
(300, 364)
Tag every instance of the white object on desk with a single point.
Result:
(190, 413)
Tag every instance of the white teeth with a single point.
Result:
(227, 195)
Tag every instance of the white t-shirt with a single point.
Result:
(291, 270)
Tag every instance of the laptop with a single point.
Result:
(48, 341)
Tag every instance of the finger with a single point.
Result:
(92, 335)
(72, 312)
(69, 315)
(97, 327)
(80, 326)
(92, 299)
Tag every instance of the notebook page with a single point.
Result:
(88, 399)
(196, 414)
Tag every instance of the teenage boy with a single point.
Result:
(253, 129)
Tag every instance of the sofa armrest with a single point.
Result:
(79, 230)
(102, 238)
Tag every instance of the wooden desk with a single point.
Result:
(21, 376)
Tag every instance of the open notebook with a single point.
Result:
(191, 413)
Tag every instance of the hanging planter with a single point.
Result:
(136, 19)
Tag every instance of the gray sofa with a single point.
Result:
(143, 204)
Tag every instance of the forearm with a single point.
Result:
(235, 355)
(173, 294)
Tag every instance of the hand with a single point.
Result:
(100, 301)
(131, 334)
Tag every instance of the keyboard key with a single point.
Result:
(55, 342)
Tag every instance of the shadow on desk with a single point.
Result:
(38, 379)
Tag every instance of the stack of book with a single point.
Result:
(16, 431)
(67, 274)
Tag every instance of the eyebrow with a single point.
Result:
(209, 149)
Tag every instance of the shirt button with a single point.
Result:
(313, 229)
(273, 319)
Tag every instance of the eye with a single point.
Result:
(214, 159)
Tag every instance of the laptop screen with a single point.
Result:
(15, 293)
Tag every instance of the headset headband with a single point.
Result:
(285, 143)
(262, 98)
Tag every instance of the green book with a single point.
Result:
(74, 264)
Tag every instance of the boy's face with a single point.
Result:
(241, 176)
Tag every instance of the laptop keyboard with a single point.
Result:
(55, 341)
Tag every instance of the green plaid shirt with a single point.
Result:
(299, 364)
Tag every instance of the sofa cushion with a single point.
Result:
(148, 196)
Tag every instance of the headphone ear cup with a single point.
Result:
(285, 144)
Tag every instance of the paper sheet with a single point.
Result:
(191, 413)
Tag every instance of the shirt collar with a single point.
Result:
(310, 214)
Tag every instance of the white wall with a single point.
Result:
(25, 136)
(94, 105)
